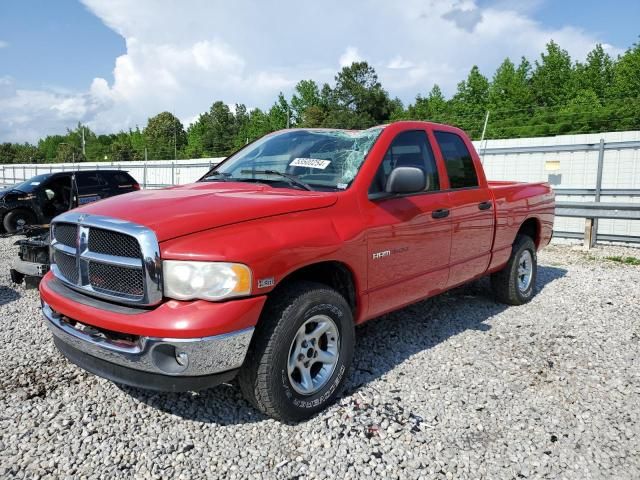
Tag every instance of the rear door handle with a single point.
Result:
(440, 213)
(484, 205)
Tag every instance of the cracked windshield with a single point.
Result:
(305, 159)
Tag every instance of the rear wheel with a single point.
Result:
(17, 219)
(301, 352)
(515, 283)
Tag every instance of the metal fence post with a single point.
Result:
(593, 239)
(173, 173)
(24, 172)
(144, 176)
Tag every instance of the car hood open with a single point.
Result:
(177, 211)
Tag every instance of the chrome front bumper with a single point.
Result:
(175, 357)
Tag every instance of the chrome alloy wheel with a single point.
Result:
(313, 355)
(525, 270)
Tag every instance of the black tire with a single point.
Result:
(264, 378)
(505, 283)
(15, 218)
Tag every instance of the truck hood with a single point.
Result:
(178, 211)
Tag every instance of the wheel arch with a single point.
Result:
(531, 227)
(333, 273)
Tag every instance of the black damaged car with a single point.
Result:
(39, 199)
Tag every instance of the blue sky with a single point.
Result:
(58, 43)
(58, 60)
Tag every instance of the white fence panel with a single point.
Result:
(567, 169)
(566, 162)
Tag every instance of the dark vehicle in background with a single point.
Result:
(37, 200)
(28, 207)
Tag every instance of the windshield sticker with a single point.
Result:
(342, 186)
(310, 163)
(35, 184)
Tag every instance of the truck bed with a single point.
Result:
(515, 202)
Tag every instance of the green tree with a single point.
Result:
(358, 99)
(552, 80)
(27, 153)
(596, 74)
(240, 126)
(470, 102)
(279, 114)
(121, 149)
(48, 147)
(433, 107)
(510, 89)
(164, 136)
(196, 134)
(306, 104)
(626, 74)
(219, 139)
(68, 153)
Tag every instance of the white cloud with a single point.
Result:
(349, 56)
(183, 56)
(399, 63)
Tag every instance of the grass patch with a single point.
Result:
(625, 260)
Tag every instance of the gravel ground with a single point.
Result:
(453, 387)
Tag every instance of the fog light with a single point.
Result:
(168, 359)
(182, 358)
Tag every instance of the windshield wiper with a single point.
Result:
(216, 173)
(292, 179)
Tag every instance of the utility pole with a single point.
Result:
(288, 117)
(84, 153)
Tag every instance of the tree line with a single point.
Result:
(553, 95)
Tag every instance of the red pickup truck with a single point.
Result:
(262, 268)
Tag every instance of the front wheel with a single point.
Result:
(515, 283)
(301, 352)
(17, 219)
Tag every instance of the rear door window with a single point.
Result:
(90, 182)
(118, 179)
(458, 160)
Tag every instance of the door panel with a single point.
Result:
(408, 250)
(472, 208)
(472, 235)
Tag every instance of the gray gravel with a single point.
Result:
(454, 387)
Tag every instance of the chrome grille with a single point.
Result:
(66, 234)
(113, 243)
(115, 279)
(107, 258)
(67, 266)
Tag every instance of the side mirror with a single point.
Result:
(406, 180)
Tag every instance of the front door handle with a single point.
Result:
(440, 213)
(484, 205)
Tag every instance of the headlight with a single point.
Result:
(184, 280)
